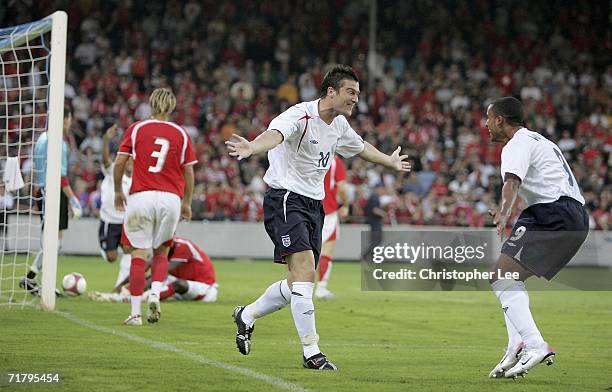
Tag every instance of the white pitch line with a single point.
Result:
(362, 345)
(282, 384)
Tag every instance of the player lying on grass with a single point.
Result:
(191, 277)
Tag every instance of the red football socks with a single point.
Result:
(137, 276)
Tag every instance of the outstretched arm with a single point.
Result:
(509, 193)
(394, 161)
(242, 148)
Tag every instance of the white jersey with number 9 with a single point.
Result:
(545, 174)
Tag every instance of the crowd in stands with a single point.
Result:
(235, 65)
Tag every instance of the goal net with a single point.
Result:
(32, 67)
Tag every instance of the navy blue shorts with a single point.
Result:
(293, 222)
(63, 215)
(109, 235)
(546, 236)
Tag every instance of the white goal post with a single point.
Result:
(59, 28)
(19, 50)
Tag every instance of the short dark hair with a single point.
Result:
(334, 76)
(509, 108)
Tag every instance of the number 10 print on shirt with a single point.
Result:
(324, 160)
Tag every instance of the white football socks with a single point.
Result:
(135, 300)
(515, 303)
(124, 268)
(156, 288)
(276, 297)
(514, 338)
(302, 309)
(37, 264)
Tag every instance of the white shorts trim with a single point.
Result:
(331, 225)
(151, 218)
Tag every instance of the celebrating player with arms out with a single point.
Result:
(546, 236)
(302, 142)
(161, 192)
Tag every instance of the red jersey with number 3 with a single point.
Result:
(195, 264)
(160, 150)
(334, 175)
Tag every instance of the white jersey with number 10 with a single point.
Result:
(300, 162)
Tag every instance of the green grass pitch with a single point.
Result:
(381, 341)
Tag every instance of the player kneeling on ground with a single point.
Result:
(191, 277)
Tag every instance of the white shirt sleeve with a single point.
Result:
(516, 157)
(287, 122)
(350, 143)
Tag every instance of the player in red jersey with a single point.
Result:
(191, 273)
(161, 193)
(335, 188)
(191, 276)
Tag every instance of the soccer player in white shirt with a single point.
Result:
(111, 219)
(547, 234)
(301, 143)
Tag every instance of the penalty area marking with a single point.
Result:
(277, 382)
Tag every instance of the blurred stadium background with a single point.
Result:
(427, 70)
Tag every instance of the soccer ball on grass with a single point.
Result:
(74, 284)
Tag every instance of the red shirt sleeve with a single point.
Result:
(340, 174)
(126, 147)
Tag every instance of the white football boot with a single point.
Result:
(509, 359)
(133, 320)
(323, 293)
(530, 358)
(153, 309)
